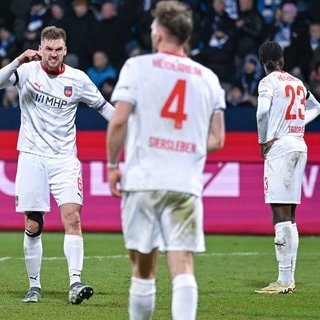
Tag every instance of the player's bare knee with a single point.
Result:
(72, 223)
(34, 224)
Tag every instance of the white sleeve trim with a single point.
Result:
(312, 108)
(6, 72)
(106, 111)
(264, 103)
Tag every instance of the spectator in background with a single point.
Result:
(95, 7)
(58, 10)
(235, 97)
(218, 54)
(314, 46)
(72, 60)
(20, 16)
(39, 17)
(136, 16)
(5, 11)
(101, 68)
(198, 12)
(133, 49)
(314, 81)
(10, 97)
(107, 87)
(249, 31)
(314, 33)
(232, 9)
(313, 9)
(110, 34)
(250, 75)
(216, 15)
(268, 10)
(9, 46)
(292, 35)
(79, 29)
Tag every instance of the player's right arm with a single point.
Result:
(116, 134)
(7, 76)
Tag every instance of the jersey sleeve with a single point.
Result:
(218, 96)
(264, 104)
(91, 96)
(221, 101)
(7, 74)
(126, 88)
(312, 108)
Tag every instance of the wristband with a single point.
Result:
(112, 165)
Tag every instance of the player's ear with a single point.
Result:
(281, 62)
(161, 33)
(40, 50)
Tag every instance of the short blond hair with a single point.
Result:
(53, 33)
(176, 18)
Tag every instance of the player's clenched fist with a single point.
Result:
(29, 55)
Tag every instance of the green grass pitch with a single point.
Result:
(227, 274)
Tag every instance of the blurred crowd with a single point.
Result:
(102, 34)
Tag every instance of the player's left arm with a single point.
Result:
(217, 132)
(312, 108)
(92, 97)
(106, 110)
(116, 134)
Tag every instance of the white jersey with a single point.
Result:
(48, 108)
(174, 98)
(284, 117)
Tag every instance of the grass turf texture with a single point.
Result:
(227, 274)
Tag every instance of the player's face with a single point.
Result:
(53, 52)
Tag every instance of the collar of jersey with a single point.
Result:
(174, 54)
(53, 72)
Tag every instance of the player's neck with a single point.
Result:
(172, 49)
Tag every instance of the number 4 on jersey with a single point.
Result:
(176, 111)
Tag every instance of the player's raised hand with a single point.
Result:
(29, 55)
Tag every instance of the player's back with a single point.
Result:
(168, 131)
(286, 117)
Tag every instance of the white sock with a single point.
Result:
(33, 256)
(73, 250)
(184, 297)
(142, 297)
(294, 249)
(283, 245)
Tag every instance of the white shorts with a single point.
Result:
(37, 176)
(169, 221)
(283, 178)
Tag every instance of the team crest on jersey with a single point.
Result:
(68, 91)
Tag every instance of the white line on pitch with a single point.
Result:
(126, 256)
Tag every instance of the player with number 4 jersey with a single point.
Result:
(175, 99)
(168, 116)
